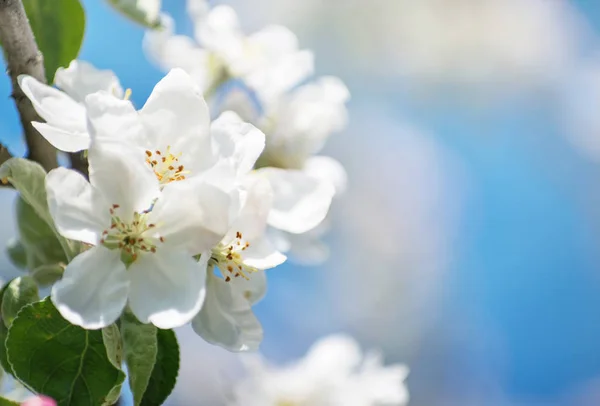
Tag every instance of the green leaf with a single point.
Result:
(46, 275)
(58, 27)
(16, 253)
(143, 12)
(20, 292)
(166, 368)
(41, 244)
(140, 346)
(60, 360)
(29, 179)
(7, 402)
(3, 333)
(111, 337)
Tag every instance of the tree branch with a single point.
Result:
(4, 156)
(23, 57)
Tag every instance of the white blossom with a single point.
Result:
(64, 110)
(167, 146)
(226, 319)
(333, 373)
(269, 61)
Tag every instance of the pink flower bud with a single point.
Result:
(39, 401)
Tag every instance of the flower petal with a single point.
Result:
(261, 254)
(82, 78)
(253, 289)
(240, 142)
(79, 213)
(226, 319)
(327, 169)
(252, 219)
(176, 115)
(220, 32)
(62, 139)
(167, 288)
(54, 106)
(169, 51)
(93, 290)
(119, 172)
(192, 215)
(116, 119)
(300, 202)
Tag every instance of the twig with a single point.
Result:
(79, 162)
(23, 57)
(4, 156)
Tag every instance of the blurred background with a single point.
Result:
(467, 243)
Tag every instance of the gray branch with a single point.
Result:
(4, 156)
(23, 57)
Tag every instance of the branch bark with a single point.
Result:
(23, 57)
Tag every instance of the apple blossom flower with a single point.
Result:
(143, 238)
(64, 110)
(268, 61)
(333, 373)
(226, 318)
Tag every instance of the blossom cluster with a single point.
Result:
(334, 372)
(186, 206)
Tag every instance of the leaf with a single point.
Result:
(166, 368)
(140, 347)
(16, 253)
(58, 27)
(41, 244)
(29, 178)
(20, 292)
(111, 337)
(143, 12)
(46, 275)
(60, 360)
(3, 333)
(8, 402)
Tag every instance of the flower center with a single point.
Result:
(230, 260)
(129, 237)
(166, 166)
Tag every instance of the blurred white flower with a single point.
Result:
(333, 373)
(268, 61)
(64, 111)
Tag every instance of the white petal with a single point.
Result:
(115, 119)
(281, 75)
(167, 288)
(220, 32)
(169, 51)
(191, 215)
(238, 141)
(261, 254)
(253, 289)
(226, 319)
(78, 212)
(119, 172)
(93, 290)
(300, 203)
(327, 169)
(82, 78)
(197, 10)
(61, 139)
(334, 355)
(275, 40)
(252, 219)
(177, 115)
(307, 248)
(54, 106)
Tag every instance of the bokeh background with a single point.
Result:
(467, 243)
